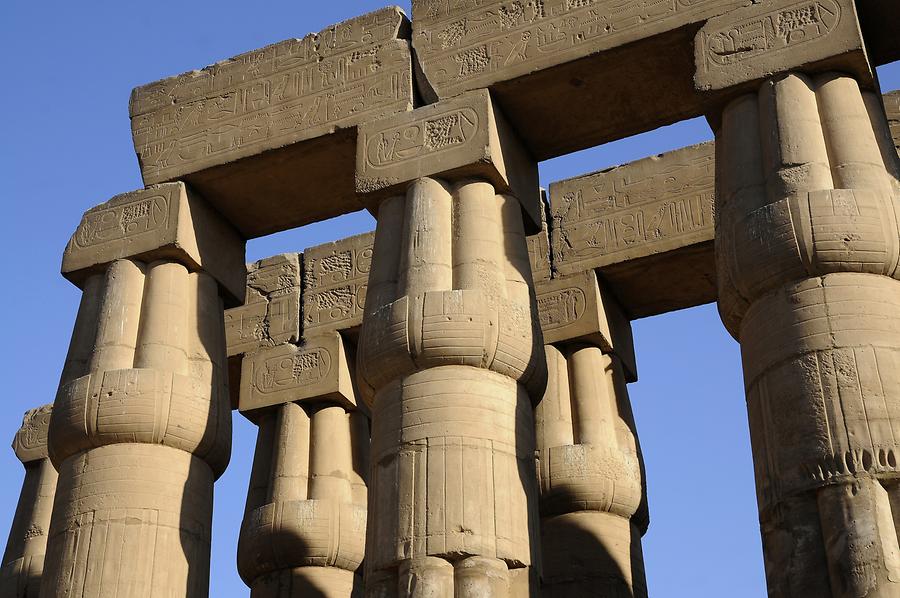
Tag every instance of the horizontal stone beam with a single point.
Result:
(266, 134)
(572, 74)
(335, 280)
(647, 227)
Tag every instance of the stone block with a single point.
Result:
(892, 105)
(463, 137)
(539, 246)
(647, 227)
(575, 309)
(317, 370)
(552, 63)
(766, 38)
(335, 279)
(265, 134)
(30, 441)
(271, 311)
(162, 222)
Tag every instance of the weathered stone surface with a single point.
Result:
(892, 105)
(271, 311)
(647, 227)
(30, 442)
(161, 222)
(304, 527)
(539, 246)
(452, 359)
(318, 370)
(335, 279)
(465, 137)
(591, 477)
(807, 250)
(552, 63)
(234, 129)
(772, 37)
(574, 308)
(141, 428)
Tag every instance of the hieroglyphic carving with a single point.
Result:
(775, 37)
(575, 308)
(271, 311)
(467, 135)
(892, 105)
(287, 92)
(317, 369)
(166, 221)
(539, 246)
(335, 278)
(650, 206)
(471, 44)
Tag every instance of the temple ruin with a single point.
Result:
(442, 405)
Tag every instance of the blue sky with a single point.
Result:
(69, 70)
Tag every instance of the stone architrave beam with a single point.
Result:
(270, 314)
(552, 63)
(647, 227)
(262, 133)
(335, 280)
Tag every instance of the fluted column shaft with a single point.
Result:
(807, 244)
(451, 355)
(304, 529)
(140, 437)
(593, 504)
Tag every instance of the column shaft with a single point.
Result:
(808, 248)
(449, 356)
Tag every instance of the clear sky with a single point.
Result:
(70, 67)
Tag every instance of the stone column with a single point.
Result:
(304, 526)
(23, 560)
(304, 529)
(593, 503)
(450, 355)
(807, 244)
(141, 425)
